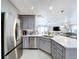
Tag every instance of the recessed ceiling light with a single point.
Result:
(50, 7)
(32, 7)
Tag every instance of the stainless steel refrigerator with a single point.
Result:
(11, 47)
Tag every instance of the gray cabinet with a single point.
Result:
(25, 42)
(27, 21)
(59, 56)
(57, 50)
(54, 53)
(45, 44)
(61, 52)
(71, 53)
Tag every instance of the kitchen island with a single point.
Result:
(67, 46)
(59, 47)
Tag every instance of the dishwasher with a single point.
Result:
(29, 42)
(32, 42)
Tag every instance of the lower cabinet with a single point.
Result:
(25, 42)
(54, 54)
(59, 56)
(45, 44)
(52, 47)
(57, 53)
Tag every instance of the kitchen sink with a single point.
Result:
(48, 36)
(71, 35)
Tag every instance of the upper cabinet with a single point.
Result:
(27, 21)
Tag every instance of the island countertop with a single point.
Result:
(65, 41)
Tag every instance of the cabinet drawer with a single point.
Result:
(58, 46)
(57, 50)
(56, 54)
(59, 56)
(53, 51)
(60, 52)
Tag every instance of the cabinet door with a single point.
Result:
(25, 43)
(45, 45)
(41, 43)
(54, 54)
(57, 51)
(59, 56)
(27, 22)
(31, 22)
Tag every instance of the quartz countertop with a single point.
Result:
(32, 35)
(65, 41)
(62, 40)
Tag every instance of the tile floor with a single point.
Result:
(34, 54)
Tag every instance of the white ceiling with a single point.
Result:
(42, 7)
